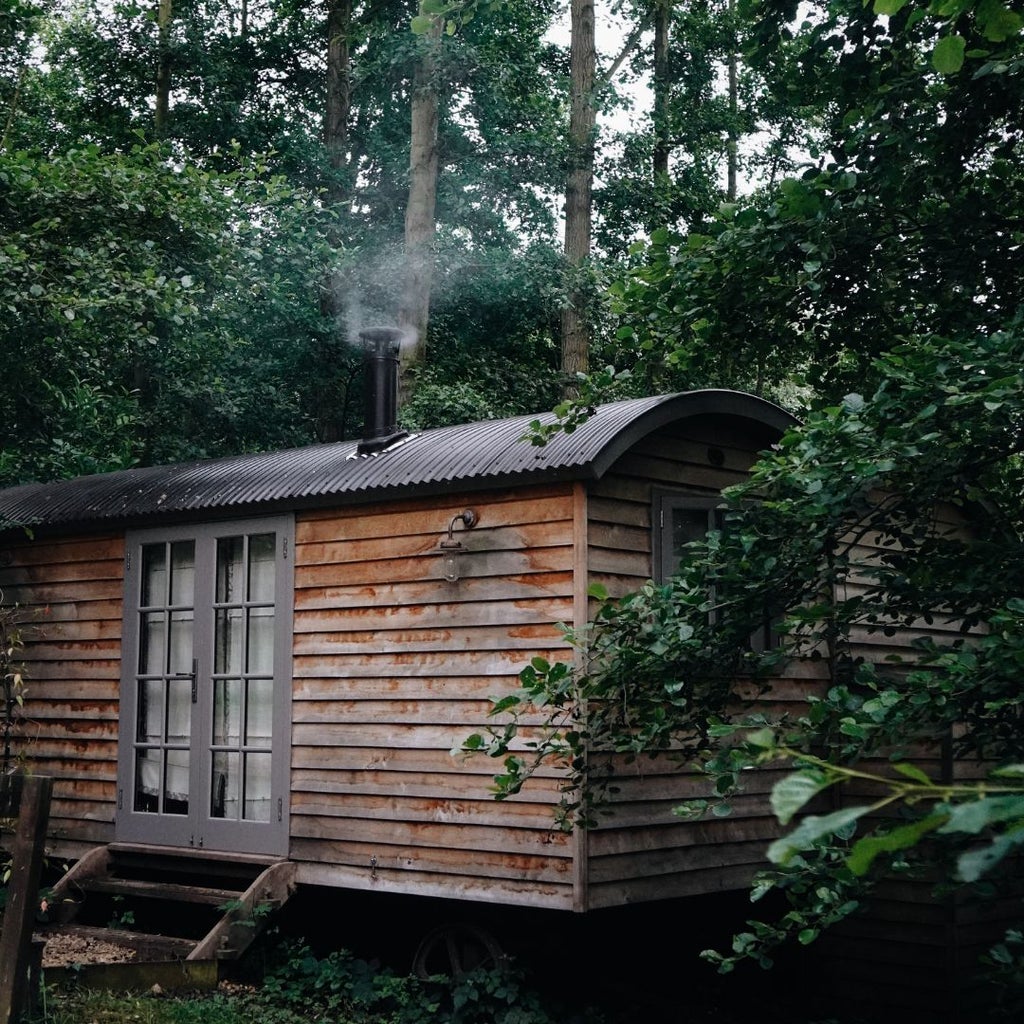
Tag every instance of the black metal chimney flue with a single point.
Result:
(380, 384)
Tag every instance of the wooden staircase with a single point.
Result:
(183, 912)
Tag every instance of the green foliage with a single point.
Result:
(13, 624)
(903, 220)
(928, 468)
(130, 283)
(340, 987)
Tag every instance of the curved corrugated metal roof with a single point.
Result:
(474, 455)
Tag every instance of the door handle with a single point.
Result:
(192, 676)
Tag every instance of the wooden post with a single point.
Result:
(27, 854)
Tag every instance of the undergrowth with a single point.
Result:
(300, 988)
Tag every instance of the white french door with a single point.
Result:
(206, 686)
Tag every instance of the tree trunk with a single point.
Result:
(582, 121)
(662, 145)
(339, 94)
(165, 15)
(732, 155)
(414, 304)
(333, 392)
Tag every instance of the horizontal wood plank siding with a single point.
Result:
(643, 851)
(394, 667)
(70, 594)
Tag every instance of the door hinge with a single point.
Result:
(127, 561)
(120, 798)
(284, 548)
(280, 808)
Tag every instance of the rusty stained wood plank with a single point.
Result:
(91, 669)
(449, 807)
(102, 690)
(398, 713)
(44, 751)
(526, 536)
(428, 567)
(27, 576)
(53, 551)
(372, 782)
(420, 688)
(61, 613)
(95, 788)
(44, 706)
(539, 505)
(436, 615)
(69, 772)
(464, 849)
(80, 620)
(33, 728)
(318, 866)
(527, 636)
(387, 735)
(393, 663)
(387, 761)
(40, 594)
(523, 586)
(72, 650)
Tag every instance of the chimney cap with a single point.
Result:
(382, 338)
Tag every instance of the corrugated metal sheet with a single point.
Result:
(472, 455)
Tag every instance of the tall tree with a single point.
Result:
(338, 102)
(579, 187)
(421, 206)
(164, 22)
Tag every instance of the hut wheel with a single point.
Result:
(455, 950)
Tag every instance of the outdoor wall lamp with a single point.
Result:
(453, 548)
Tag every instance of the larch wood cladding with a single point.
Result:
(70, 593)
(642, 851)
(394, 667)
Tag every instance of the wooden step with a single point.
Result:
(162, 891)
(184, 905)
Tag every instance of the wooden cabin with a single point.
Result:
(273, 656)
(277, 653)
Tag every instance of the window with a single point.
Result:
(680, 519)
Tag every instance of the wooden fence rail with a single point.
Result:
(26, 797)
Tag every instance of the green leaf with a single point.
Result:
(998, 23)
(973, 816)
(762, 738)
(867, 849)
(421, 25)
(810, 830)
(948, 55)
(975, 863)
(598, 591)
(790, 794)
(912, 772)
(889, 7)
